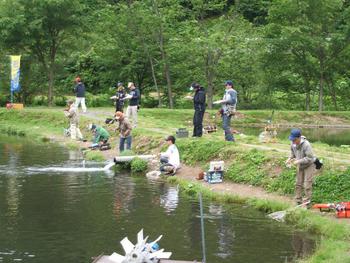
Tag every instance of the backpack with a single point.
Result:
(318, 163)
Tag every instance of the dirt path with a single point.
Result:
(241, 190)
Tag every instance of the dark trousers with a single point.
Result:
(164, 164)
(119, 107)
(198, 123)
(122, 142)
(226, 125)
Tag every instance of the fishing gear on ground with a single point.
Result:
(342, 209)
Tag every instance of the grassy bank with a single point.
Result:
(246, 162)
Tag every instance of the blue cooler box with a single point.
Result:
(214, 177)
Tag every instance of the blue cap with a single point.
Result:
(229, 82)
(93, 127)
(295, 133)
(119, 84)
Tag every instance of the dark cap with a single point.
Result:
(170, 138)
(229, 83)
(92, 127)
(119, 84)
(294, 134)
(195, 85)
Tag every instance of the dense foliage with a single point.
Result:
(282, 54)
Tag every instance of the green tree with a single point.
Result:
(314, 34)
(39, 27)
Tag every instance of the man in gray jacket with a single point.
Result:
(228, 109)
(302, 156)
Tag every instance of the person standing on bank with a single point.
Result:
(125, 131)
(134, 96)
(302, 156)
(80, 94)
(119, 97)
(72, 115)
(199, 109)
(228, 109)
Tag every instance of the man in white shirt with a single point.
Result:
(170, 160)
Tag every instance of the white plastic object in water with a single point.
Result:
(142, 252)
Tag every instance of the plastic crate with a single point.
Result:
(181, 133)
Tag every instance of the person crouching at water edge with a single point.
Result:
(100, 135)
(124, 130)
(72, 115)
(302, 156)
(170, 160)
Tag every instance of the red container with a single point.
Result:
(343, 210)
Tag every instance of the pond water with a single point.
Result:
(72, 217)
(334, 137)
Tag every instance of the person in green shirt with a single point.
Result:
(100, 135)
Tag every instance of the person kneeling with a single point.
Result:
(100, 135)
(170, 160)
(125, 131)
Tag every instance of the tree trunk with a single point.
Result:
(307, 101)
(170, 93)
(320, 96)
(155, 81)
(307, 91)
(209, 75)
(51, 82)
(164, 56)
(331, 86)
(210, 89)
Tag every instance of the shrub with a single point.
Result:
(3, 100)
(94, 156)
(39, 100)
(138, 165)
(101, 100)
(60, 101)
(149, 102)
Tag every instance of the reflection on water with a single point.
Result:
(170, 199)
(71, 217)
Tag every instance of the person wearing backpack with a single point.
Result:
(199, 109)
(228, 109)
(302, 157)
